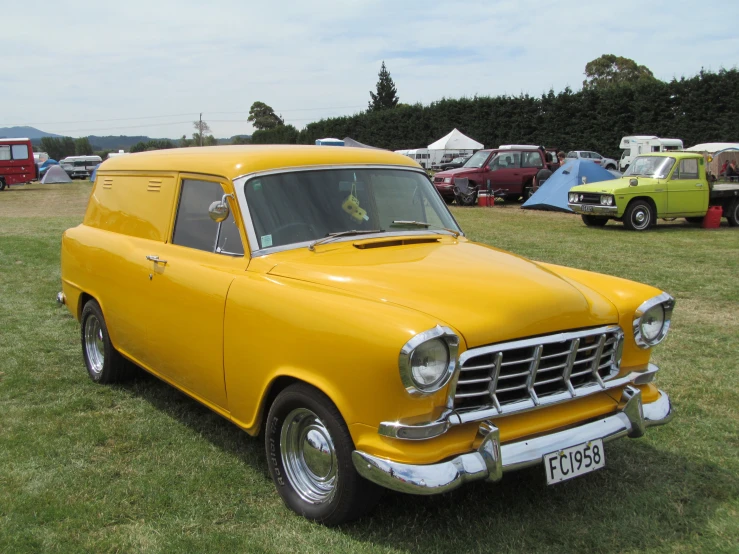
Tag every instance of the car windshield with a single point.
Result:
(657, 167)
(302, 206)
(477, 159)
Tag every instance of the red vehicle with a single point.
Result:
(16, 162)
(509, 170)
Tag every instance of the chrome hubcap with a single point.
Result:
(94, 345)
(640, 216)
(309, 456)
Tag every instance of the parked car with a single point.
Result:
(510, 170)
(80, 167)
(605, 163)
(454, 163)
(302, 294)
(17, 165)
(666, 185)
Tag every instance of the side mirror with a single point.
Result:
(633, 182)
(218, 210)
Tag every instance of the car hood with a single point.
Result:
(458, 171)
(621, 185)
(488, 295)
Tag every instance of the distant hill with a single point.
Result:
(24, 132)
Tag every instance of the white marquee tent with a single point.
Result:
(455, 141)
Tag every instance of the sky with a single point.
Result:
(151, 67)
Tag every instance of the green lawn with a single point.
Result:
(142, 468)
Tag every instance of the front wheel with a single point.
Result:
(732, 213)
(467, 199)
(2, 184)
(639, 216)
(104, 363)
(593, 221)
(309, 455)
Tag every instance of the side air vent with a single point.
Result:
(154, 185)
(108, 183)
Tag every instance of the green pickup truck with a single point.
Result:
(660, 185)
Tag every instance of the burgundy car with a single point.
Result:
(510, 171)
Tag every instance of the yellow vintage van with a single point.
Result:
(303, 294)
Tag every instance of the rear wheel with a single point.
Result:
(2, 184)
(104, 363)
(594, 221)
(732, 213)
(639, 215)
(611, 167)
(309, 455)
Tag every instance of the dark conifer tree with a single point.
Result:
(386, 96)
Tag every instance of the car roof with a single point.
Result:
(673, 154)
(234, 161)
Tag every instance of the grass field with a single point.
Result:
(142, 468)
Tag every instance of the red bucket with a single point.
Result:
(712, 219)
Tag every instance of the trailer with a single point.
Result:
(633, 146)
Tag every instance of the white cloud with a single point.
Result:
(85, 61)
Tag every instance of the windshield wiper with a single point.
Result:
(401, 223)
(332, 236)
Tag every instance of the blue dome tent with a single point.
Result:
(552, 195)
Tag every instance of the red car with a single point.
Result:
(16, 162)
(508, 170)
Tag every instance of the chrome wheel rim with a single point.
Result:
(309, 456)
(94, 344)
(641, 218)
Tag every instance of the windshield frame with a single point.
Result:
(251, 234)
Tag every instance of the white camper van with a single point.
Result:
(644, 144)
(80, 167)
(431, 158)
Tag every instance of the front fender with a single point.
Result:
(344, 345)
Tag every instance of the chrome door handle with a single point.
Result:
(156, 260)
(699, 184)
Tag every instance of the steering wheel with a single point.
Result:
(295, 225)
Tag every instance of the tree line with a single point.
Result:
(615, 101)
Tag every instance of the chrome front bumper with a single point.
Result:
(492, 459)
(594, 209)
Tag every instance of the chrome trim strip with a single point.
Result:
(451, 418)
(597, 210)
(668, 303)
(492, 459)
(251, 235)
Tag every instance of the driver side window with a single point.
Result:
(195, 229)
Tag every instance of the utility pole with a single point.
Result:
(200, 129)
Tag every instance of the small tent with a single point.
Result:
(55, 174)
(552, 195)
(455, 141)
(348, 141)
(45, 165)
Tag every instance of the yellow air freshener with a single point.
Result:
(351, 206)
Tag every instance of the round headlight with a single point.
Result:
(652, 320)
(573, 197)
(605, 200)
(429, 363)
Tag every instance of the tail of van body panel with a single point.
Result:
(16, 162)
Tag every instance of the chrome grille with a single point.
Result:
(588, 198)
(538, 370)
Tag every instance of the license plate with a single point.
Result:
(586, 208)
(574, 461)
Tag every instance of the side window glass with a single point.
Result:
(688, 169)
(4, 153)
(195, 229)
(531, 159)
(20, 151)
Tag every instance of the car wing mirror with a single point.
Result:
(219, 210)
